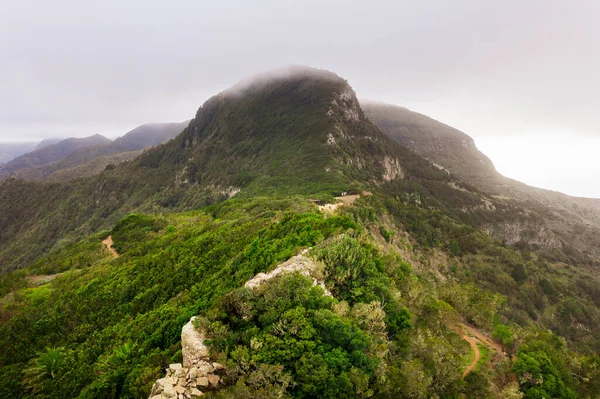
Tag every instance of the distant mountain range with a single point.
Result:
(63, 160)
(9, 151)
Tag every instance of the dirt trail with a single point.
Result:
(472, 336)
(483, 338)
(44, 278)
(342, 200)
(108, 243)
(473, 344)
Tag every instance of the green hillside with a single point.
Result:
(420, 301)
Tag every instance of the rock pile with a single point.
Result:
(195, 376)
(185, 383)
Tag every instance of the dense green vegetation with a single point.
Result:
(107, 327)
(407, 266)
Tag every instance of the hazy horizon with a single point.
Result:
(518, 77)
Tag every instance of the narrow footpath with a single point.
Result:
(108, 243)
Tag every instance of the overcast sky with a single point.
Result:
(520, 76)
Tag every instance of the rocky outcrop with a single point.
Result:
(527, 233)
(198, 374)
(188, 382)
(195, 376)
(392, 169)
(297, 264)
(193, 348)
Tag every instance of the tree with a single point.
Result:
(44, 368)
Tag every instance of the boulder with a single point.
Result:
(205, 368)
(218, 366)
(179, 389)
(202, 382)
(213, 380)
(169, 391)
(192, 345)
(192, 374)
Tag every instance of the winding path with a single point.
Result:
(473, 344)
(108, 243)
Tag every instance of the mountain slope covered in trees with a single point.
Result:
(410, 267)
(574, 222)
(303, 133)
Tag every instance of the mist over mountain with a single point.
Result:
(51, 153)
(92, 157)
(9, 151)
(47, 142)
(291, 242)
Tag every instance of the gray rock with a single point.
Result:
(169, 391)
(205, 369)
(179, 389)
(196, 392)
(202, 382)
(157, 388)
(218, 366)
(192, 345)
(192, 374)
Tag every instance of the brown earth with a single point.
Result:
(343, 200)
(44, 278)
(473, 344)
(108, 243)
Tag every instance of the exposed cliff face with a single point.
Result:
(533, 235)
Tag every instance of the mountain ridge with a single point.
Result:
(410, 270)
(92, 159)
(51, 153)
(573, 220)
(293, 134)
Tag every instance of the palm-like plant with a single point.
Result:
(118, 358)
(43, 368)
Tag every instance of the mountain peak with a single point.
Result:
(299, 129)
(281, 75)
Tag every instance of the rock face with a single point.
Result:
(195, 376)
(193, 349)
(299, 263)
(528, 233)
